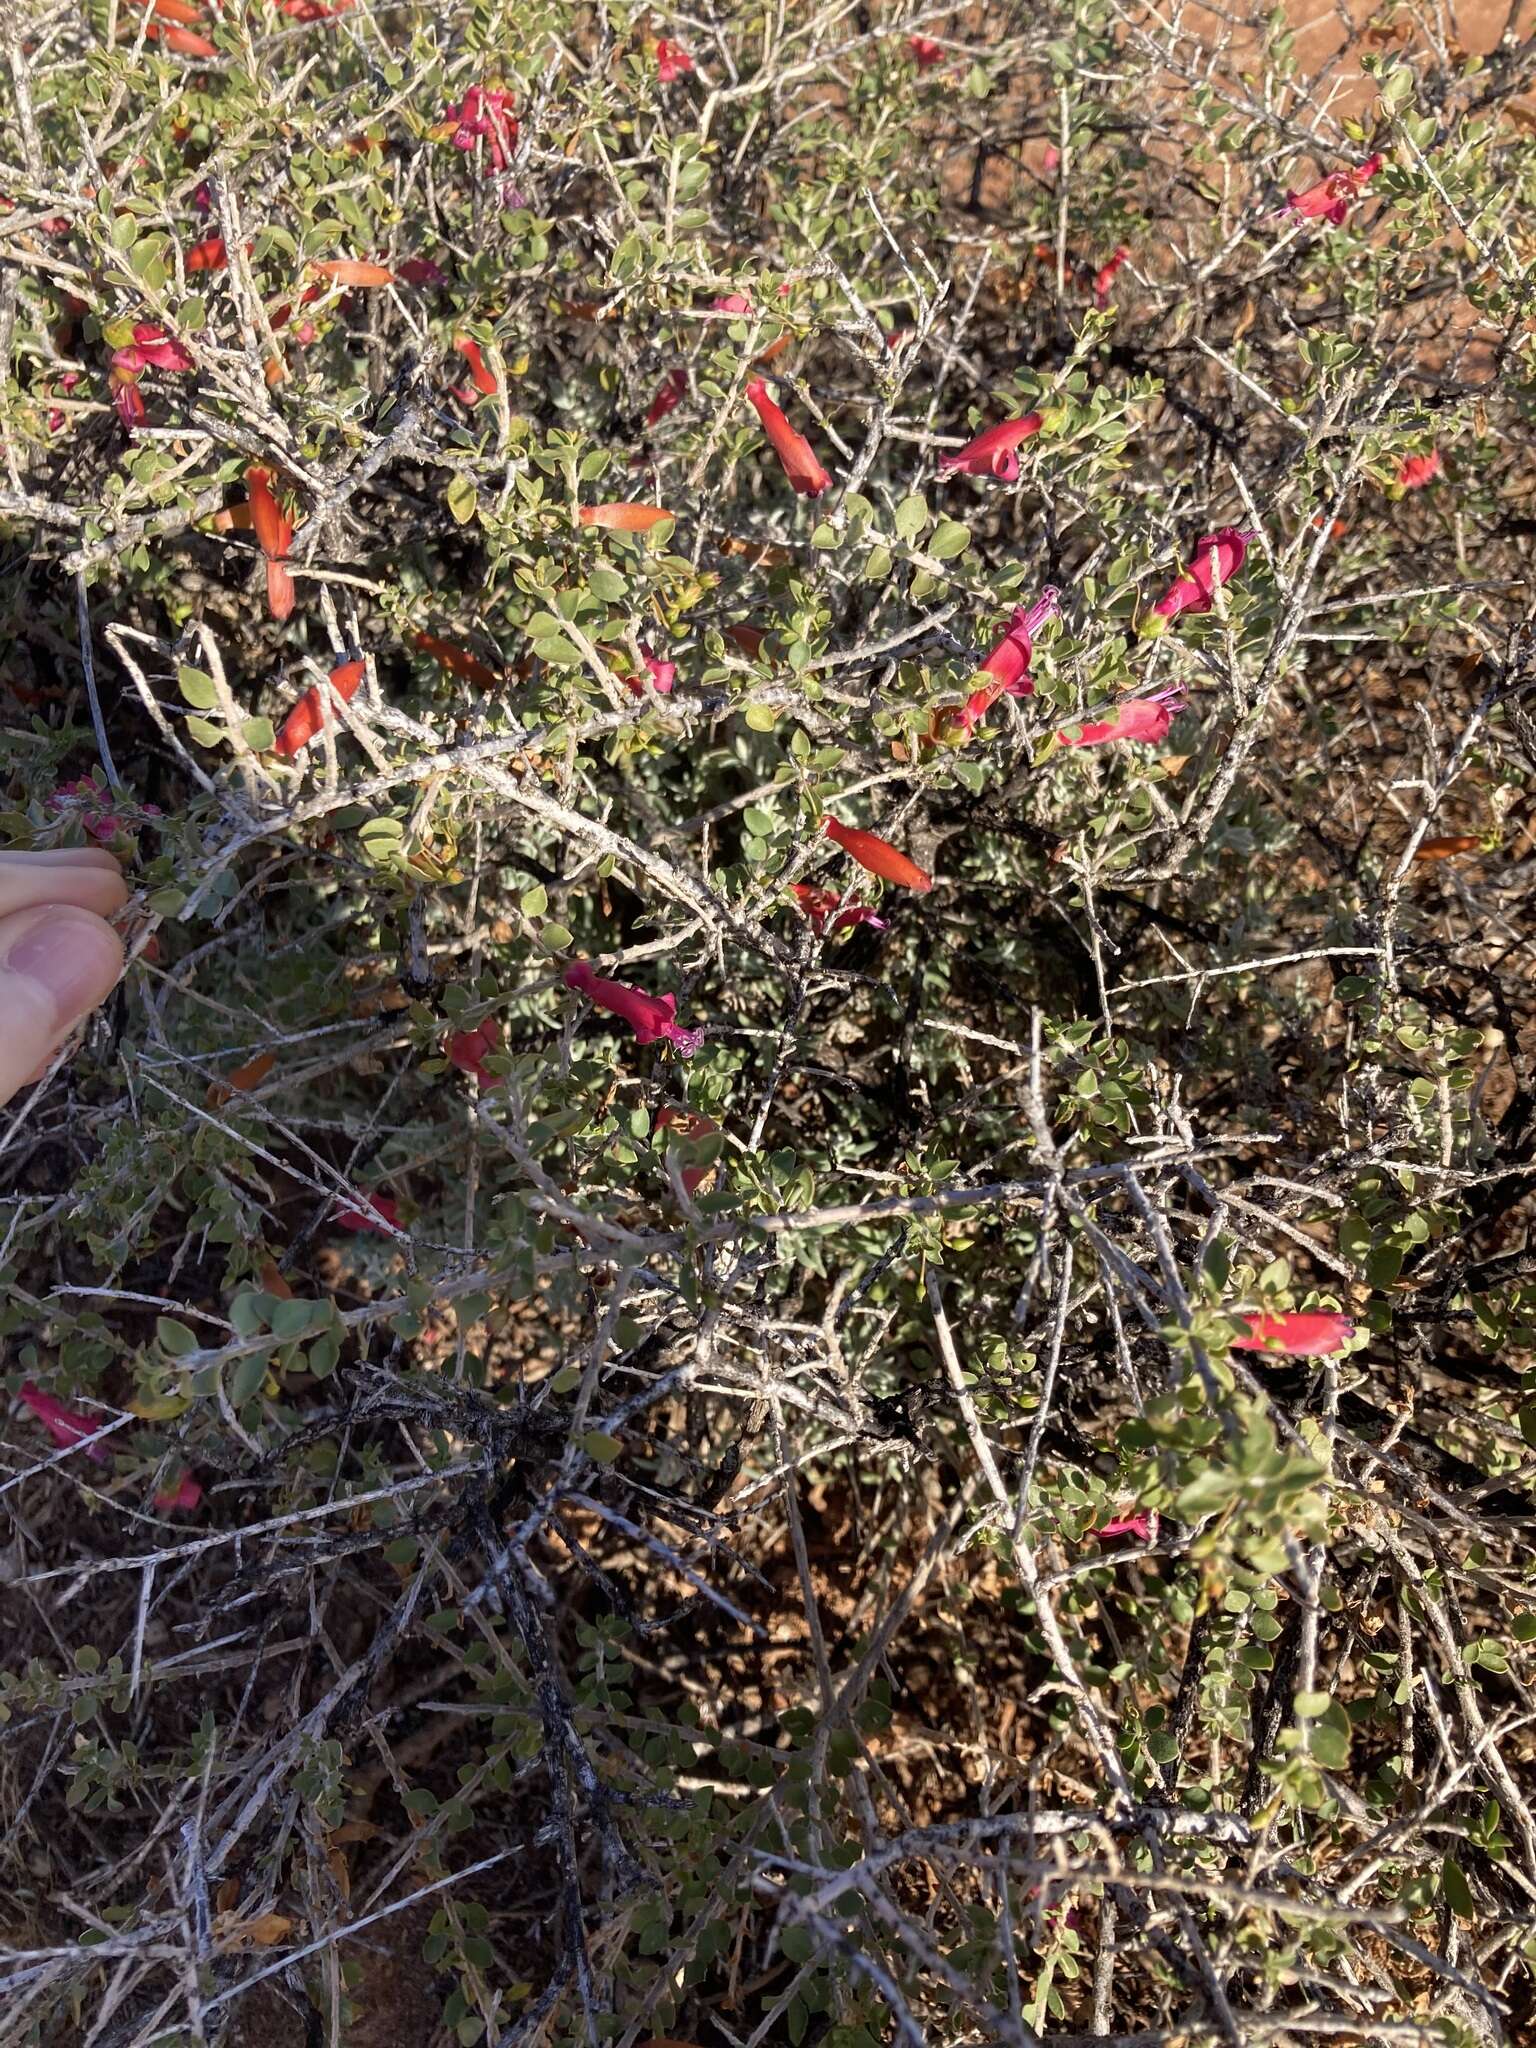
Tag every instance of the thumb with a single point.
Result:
(57, 962)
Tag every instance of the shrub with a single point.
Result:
(801, 1231)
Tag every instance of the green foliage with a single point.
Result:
(793, 1528)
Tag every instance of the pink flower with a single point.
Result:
(186, 1493)
(384, 1206)
(1050, 159)
(672, 60)
(925, 52)
(1218, 558)
(1331, 198)
(821, 904)
(994, 452)
(733, 302)
(101, 824)
(670, 393)
(1105, 277)
(1143, 718)
(1317, 1335)
(1142, 1525)
(202, 198)
(55, 419)
(483, 113)
(649, 1017)
(1415, 471)
(663, 673)
(421, 270)
(63, 1424)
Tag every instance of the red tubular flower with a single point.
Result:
(186, 1494)
(1008, 665)
(458, 661)
(181, 40)
(878, 856)
(805, 473)
(467, 1051)
(345, 270)
(1415, 471)
(152, 345)
(691, 1128)
(672, 60)
(820, 905)
(313, 10)
(663, 674)
(379, 1207)
(1142, 1525)
(1010, 659)
(64, 1425)
(1296, 1336)
(274, 533)
(1146, 719)
(994, 452)
(128, 399)
(313, 710)
(1217, 559)
(670, 393)
(732, 302)
(181, 11)
(479, 369)
(484, 113)
(421, 270)
(649, 1017)
(623, 518)
(1331, 198)
(1105, 277)
(208, 254)
(925, 52)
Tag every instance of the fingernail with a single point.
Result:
(72, 955)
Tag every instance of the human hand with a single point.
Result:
(59, 957)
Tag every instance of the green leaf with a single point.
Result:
(258, 734)
(555, 938)
(205, 734)
(1456, 1890)
(760, 717)
(601, 1448)
(246, 1377)
(462, 499)
(911, 516)
(197, 688)
(950, 538)
(176, 1340)
(535, 901)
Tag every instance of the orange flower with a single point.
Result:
(182, 40)
(314, 711)
(479, 369)
(458, 661)
(878, 856)
(1443, 849)
(208, 254)
(173, 10)
(274, 533)
(342, 270)
(624, 518)
(805, 473)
